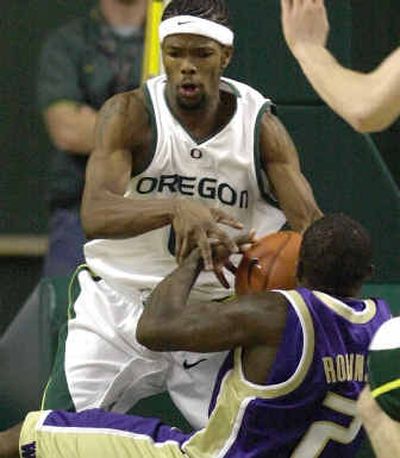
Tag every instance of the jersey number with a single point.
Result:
(320, 432)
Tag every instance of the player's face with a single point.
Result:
(193, 65)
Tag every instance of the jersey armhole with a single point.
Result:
(261, 177)
(153, 130)
(296, 378)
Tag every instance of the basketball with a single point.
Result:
(270, 263)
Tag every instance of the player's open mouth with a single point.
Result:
(188, 90)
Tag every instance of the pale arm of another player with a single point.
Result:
(383, 432)
(71, 126)
(282, 166)
(369, 102)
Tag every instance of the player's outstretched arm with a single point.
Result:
(369, 102)
(383, 432)
(119, 140)
(121, 145)
(282, 166)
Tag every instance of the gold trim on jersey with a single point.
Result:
(343, 310)
(321, 432)
(59, 442)
(286, 387)
(236, 393)
(223, 424)
(386, 388)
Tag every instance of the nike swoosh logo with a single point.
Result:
(187, 365)
(184, 22)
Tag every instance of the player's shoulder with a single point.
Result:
(126, 104)
(265, 300)
(253, 101)
(124, 117)
(244, 91)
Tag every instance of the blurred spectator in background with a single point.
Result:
(82, 64)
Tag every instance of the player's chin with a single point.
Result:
(191, 103)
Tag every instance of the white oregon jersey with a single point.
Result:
(221, 171)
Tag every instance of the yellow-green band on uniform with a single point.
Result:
(384, 368)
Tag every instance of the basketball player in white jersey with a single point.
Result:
(173, 159)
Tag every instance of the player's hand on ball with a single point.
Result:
(271, 263)
(195, 224)
(221, 255)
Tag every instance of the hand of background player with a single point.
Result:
(221, 255)
(304, 22)
(195, 224)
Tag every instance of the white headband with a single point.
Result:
(196, 26)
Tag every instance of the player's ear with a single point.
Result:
(227, 53)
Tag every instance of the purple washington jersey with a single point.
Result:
(306, 409)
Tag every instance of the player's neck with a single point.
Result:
(118, 13)
(333, 291)
(205, 122)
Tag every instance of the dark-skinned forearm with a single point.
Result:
(170, 296)
(116, 216)
(167, 301)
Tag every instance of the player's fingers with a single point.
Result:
(224, 238)
(178, 244)
(230, 266)
(286, 5)
(246, 239)
(296, 4)
(183, 249)
(221, 277)
(205, 249)
(244, 247)
(221, 217)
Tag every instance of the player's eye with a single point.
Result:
(174, 53)
(204, 52)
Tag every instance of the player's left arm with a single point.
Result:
(282, 166)
(168, 323)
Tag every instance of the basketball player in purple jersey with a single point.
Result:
(289, 386)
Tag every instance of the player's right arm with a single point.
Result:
(122, 142)
(106, 213)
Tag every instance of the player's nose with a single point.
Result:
(188, 67)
